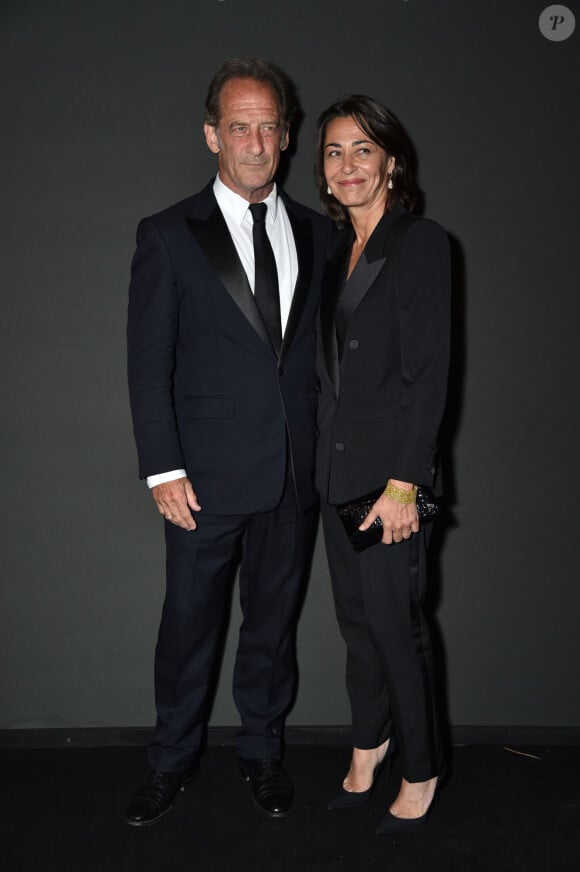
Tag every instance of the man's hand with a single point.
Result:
(175, 501)
(399, 521)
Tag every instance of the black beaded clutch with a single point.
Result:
(353, 513)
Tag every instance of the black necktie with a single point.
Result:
(266, 276)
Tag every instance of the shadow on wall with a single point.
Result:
(447, 437)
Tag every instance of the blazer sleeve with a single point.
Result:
(423, 304)
(152, 328)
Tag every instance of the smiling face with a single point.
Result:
(356, 168)
(248, 138)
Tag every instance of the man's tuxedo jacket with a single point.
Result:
(208, 392)
(383, 391)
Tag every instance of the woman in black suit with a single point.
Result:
(383, 360)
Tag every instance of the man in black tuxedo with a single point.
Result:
(221, 343)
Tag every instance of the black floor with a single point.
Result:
(61, 810)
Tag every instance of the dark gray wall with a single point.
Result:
(101, 124)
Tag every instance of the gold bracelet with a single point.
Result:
(399, 495)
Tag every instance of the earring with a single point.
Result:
(328, 191)
(390, 182)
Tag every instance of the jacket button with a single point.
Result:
(339, 446)
(354, 344)
(432, 470)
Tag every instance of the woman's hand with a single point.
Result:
(399, 520)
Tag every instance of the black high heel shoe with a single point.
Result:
(354, 799)
(391, 825)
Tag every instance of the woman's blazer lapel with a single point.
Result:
(373, 259)
(335, 287)
(335, 273)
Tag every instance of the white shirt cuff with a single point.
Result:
(160, 478)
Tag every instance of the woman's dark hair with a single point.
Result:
(251, 68)
(382, 128)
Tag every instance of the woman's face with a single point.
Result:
(356, 169)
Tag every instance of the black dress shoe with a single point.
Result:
(155, 798)
(272, 790)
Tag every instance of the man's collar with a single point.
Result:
(237, 206)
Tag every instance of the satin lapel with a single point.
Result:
(212, 235)
(371, 261)
(302, 231)
(360, 281)
(333, 281)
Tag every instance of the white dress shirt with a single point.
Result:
(238, 218)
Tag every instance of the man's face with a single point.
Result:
(248, 138)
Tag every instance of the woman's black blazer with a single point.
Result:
(382, 393)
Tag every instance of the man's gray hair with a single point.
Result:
(260, 70)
